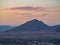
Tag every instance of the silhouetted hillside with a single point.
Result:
(56, 28)
(35, 25)
(33, 29)
(5, 27)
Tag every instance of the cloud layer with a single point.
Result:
(26, 8)
(19, 15)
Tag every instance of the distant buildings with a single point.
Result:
(39, 43)
(27, 42)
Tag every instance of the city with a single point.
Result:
(9, 41)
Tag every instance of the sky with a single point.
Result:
(17, 12)
(43, 3)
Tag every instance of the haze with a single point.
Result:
(17, 12)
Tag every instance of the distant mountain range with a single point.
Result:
(5, 27)
(33, 29)
(35, 26)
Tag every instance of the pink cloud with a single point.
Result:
(26, 8)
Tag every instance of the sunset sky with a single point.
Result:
(17, 12)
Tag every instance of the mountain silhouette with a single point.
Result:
(33, 29)
(5, 27)
(56, 28)
(33, 25)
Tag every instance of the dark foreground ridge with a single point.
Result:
(13, 41)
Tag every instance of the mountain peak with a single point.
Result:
(33, 25)
(35, 21)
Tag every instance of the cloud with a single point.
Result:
(30, 14)
(26, 8)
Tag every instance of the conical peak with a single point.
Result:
(32, 25)
(35, 20)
